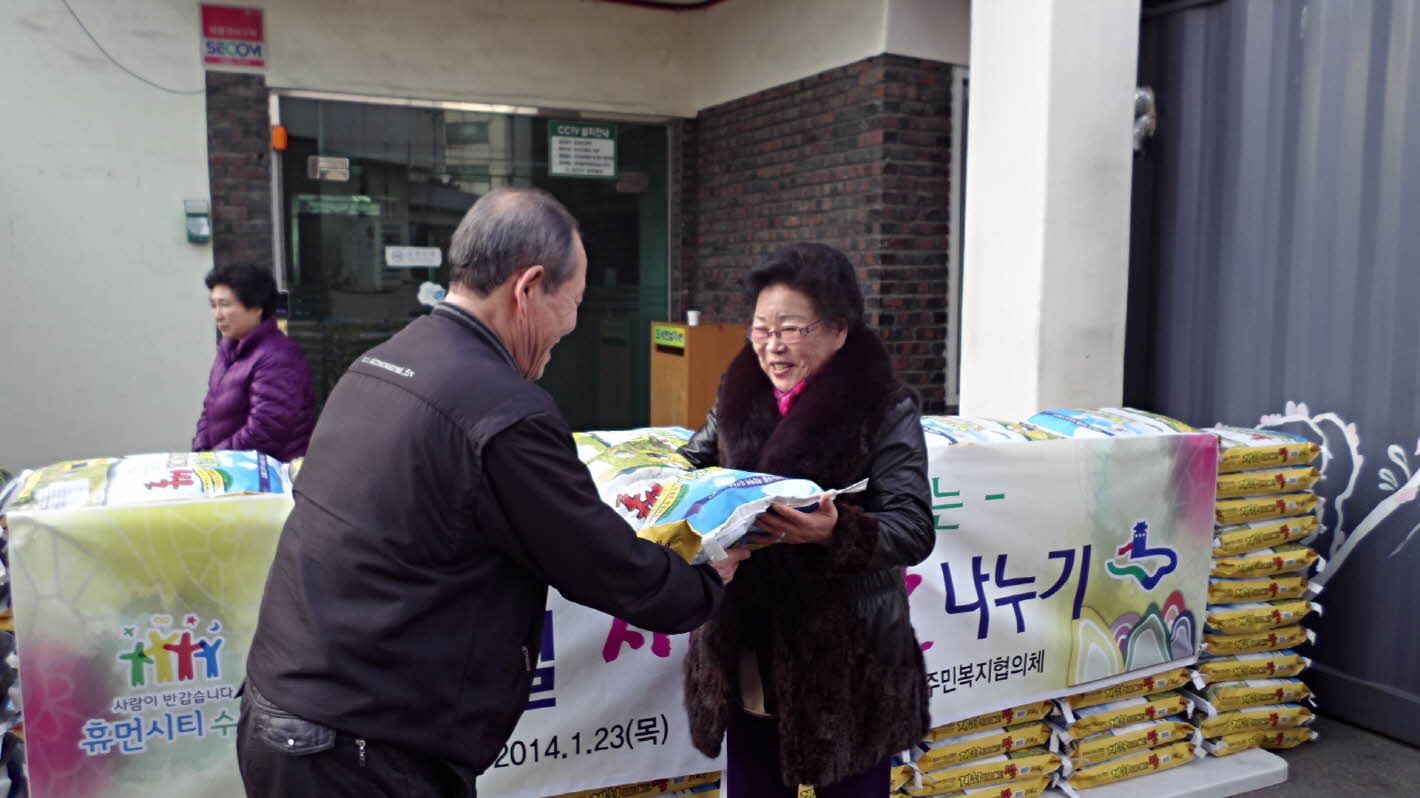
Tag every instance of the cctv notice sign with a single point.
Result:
(232, 37)
(581, 149)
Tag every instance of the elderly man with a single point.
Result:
(442, 495)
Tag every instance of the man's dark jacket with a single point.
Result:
(442, 495)
(841, 666)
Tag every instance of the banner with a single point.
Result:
(1060, 566)
(133, 626)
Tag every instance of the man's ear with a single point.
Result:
(526, 281)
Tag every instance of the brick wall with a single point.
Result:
(239, 163)
(856, 157)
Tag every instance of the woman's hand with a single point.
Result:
(788, 525)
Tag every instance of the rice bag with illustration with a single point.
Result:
(1107, 422)
(147, 478)
(1281, 586)
(1268, 640)
(1144, 685)
(1227, 696)
(1240, 449)
(1024, 713)
(1114, 743)
(1142, 763)
(1127, 712)
(1266, 481)
(1261, 508)
(1282, 559)
(1265, 716)
(986, 772)
(981, 744)
(1262, 665)
(1243, 538)
(1243, 741)
(1255, 616)
(967, 429)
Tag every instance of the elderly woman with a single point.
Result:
(811, 666)
(259, 393)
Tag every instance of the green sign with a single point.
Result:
(668, 335)
(581, 149)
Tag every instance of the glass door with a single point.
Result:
(371, 196)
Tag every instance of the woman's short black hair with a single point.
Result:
(819, 272)
(254, 286)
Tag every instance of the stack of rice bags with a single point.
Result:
(12, 727)
(1259, 593)
(1012, 752)
(1130, 729)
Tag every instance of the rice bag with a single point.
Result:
(992, 720)
(646, 789)
(981, 744)
(1028, 787)
(989, 771)
(1127, 712)
(1240, 449)
(1243, 538)
(1254, 616)
(1268, 640)
(1261, 508)
(1243, 741)
(145, 478)
(1146, 685)
(1262, 665)
(1264, 716)
(966, 429)
(1266, 562)
(1142, 763)
(1114, 743)
(1107, 422)
(1267, 481)
(1281, 586)
(1226, 696)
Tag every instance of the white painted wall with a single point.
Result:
(103, 314)
(935, 29)
(1047, 204)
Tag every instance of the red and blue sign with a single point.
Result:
(233, 36)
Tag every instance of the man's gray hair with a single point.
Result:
(507, 230)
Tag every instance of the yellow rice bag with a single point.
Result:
(1240, 449)
(1103, 717)
(1261, 508)
(1266, 716)
(1225, 696)
(1266, 562)
(1147, 685)
(1127, 767)
(1243, 741)
(989, 771)
(1266, 482)
(1281, 586)
(645, 789)
(1029, 787)
(1262, 665)
(981, 744)
(992, 720)
(1114, 743)
(1269, 640)
(1242, 538)
(1255, 616)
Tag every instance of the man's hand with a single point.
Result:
(726, 567)
(788, 525)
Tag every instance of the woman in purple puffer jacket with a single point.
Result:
(259, 393)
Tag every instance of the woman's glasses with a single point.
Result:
(789, 333)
